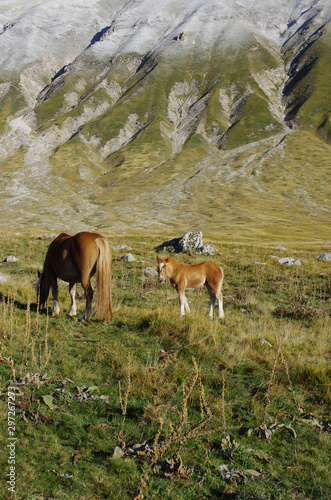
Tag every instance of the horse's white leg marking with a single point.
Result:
(220, 299)
(182, 306)
(56, 307)
(183, 302)
(187, 308)
(220, 305)
(220, 302)
(72, 291)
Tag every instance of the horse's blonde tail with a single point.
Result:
(104, 308)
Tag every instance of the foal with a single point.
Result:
(184, 276)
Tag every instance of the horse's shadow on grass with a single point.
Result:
(17, 304)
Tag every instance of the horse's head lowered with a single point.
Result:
(162, 268)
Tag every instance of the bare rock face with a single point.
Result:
(106, 100)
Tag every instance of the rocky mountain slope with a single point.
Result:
(134, 114)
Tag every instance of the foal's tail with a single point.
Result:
(104, 308)
(222, 278)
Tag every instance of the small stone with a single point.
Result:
(289, 261)
(128, 257)
(49, 235)
(121, 247)
(324, 256)
(207, 249)
(150, 271)
(10, 258)
(264, 341)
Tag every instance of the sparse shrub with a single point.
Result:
(297, 310)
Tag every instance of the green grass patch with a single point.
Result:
(154, 404)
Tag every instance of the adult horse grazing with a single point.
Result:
(75, 259)
(193, 276)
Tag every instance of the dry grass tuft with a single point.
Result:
(298, 311)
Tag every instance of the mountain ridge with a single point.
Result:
(152, 98)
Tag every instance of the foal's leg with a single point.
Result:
(212, 299)
(220, 304)
(183, 301)
(219, 296)
(213, 295)
(56, 308)
(187, 308)
(72, 291)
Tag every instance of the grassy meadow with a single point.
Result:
(156, 406)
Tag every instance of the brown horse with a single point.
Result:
(184, 276)
(75, 259)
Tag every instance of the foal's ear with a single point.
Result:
(158, 259)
